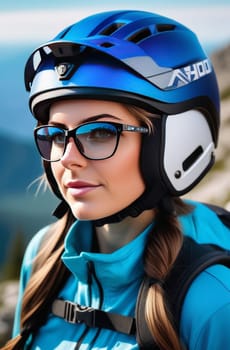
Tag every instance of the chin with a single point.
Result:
(89, 214)
(85, 214)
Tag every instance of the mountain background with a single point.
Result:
(22, 211)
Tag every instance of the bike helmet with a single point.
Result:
(147, 60)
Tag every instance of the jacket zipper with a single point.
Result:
(91, 275)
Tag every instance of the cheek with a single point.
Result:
(57, 171)
(123, 173)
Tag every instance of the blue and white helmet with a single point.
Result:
(147, 60)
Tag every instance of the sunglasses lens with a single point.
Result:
(97, 140)
(50, 141)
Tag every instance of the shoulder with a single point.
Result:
(204, 226)
(206, 310)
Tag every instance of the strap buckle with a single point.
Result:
(75, 313)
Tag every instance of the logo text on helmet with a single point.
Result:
(189, 73)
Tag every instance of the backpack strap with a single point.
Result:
(75, 313)
(223, 214)
(191, 261)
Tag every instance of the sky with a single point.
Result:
(39, 20)
(25, 24)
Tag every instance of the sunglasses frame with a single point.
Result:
(72, 133)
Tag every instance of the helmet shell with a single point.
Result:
(147, 60)
(156, 61)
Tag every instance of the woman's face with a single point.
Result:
(96, 189)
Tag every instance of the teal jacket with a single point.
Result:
(205, 320)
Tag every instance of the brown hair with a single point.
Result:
(161, 250)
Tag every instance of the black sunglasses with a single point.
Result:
(94, 140)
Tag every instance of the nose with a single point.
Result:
(72, 157)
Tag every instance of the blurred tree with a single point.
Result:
(15, 252)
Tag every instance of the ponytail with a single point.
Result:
(163, 246)
(16, 343)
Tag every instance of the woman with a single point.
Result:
(128, 116)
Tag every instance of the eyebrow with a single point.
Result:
(101, 116)
(89, 119)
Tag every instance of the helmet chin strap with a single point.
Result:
(145, 202)
(132, 210)
(60, 210)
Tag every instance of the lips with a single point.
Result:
(79, 188)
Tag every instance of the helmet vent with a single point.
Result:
(192, 158)
(140, 35)
(106, 44)
(112, 28)
(165, 27)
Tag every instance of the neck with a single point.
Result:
(113, 236)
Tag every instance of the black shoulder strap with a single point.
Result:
(192, 260)
(223, 214)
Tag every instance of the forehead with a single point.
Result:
(78, 110)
